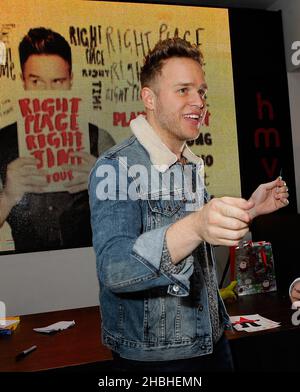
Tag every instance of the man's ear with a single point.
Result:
(148, 97)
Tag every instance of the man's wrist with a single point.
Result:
(196, 225)
(6, 202)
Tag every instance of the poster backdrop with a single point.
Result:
(108, 42)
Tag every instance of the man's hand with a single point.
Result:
(269, 197)
(223, 221)
(22, 176)
(80, 172)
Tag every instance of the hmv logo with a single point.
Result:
(267, 137)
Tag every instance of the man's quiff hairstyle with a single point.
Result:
(163, 50)
(44, 41)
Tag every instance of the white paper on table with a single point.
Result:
(59, 326)
(252, 323)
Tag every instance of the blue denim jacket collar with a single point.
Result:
(160, 155)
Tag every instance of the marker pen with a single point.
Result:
(26, 352)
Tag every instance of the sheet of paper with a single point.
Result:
(59, 326)
(252, 323)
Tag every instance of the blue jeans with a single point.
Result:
(219, 360)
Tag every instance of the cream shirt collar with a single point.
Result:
(160, 155)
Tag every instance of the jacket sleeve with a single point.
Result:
(129, 259)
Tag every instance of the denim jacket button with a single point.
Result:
(200, 307)
(175, 289)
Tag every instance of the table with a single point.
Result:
(269, 305)
(275, 349)
(78, 345)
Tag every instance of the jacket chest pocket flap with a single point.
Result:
(165, 207)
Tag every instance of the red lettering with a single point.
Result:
(50, 158)
(48, 130)
(53, 139)
(36, 105)
(59, 176)
(59, 124)
(132, 117)
(36, 128)
(264, 135)
(261, 103)
(55, 177)
(46, 122)
(124, 122)
(70, 174)
(266, 132)
(38, 155)
(28, 120)
(116, 118)
(75, 104)
(47, 106)
(119, 118)
(62, 157)
(30, 142)
(24, 107)
(64, 107)
(67, 138)
(73, 122)
(41, 140)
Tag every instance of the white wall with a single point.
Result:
(291, 30)
(66, 279)
(291, 26)
(294, 94)
(48, 281)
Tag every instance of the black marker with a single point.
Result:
(26, 352)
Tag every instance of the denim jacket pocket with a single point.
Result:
(169, 320)
(165, 207)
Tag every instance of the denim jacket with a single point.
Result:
(150, 310)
